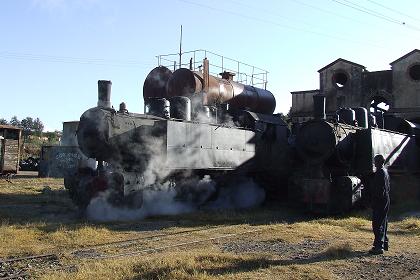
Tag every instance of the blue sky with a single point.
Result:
(52, 52)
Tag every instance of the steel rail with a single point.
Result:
(133, 240)
(52, 255)
(121, 242)
(149, 250)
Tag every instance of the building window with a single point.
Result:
(414, 72)
(340, 79)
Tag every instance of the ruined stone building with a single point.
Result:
(348, 84)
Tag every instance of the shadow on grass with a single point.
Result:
(49, 210)
(225, 265)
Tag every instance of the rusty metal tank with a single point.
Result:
(184, 82)
(155, 84)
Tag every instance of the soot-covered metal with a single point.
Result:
(184, 134)
(197, 126)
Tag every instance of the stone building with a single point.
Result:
(348, 84)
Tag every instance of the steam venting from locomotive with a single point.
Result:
(133, 150)
(162, 200)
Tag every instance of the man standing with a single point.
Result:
(380, 206)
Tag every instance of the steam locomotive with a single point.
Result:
(195, 124)
(336, 156)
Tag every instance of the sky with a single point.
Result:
(53, 52)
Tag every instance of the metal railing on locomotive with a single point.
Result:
(243, 73)
(199, 61)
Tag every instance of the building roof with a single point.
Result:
(341, 60)
(405, 56)
(304, 91)
(10, 127)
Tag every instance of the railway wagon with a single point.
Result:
(10, 142)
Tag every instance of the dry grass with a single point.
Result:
(409, 225)
(37, 217)
(338, 251)
(196, 264)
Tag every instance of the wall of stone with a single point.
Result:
(348, 84)
(350, 94)
(406, 90)
(302, 102)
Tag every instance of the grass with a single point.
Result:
(196, 264)
(38, 217)
(338, 251)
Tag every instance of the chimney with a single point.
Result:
(104, 94)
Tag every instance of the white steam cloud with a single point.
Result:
(155, 202)
(189, 197)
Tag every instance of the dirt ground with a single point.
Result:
(271, 242)
(348, 264)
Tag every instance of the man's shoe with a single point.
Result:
(376, 251)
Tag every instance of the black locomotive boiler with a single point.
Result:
(195, 124)
(336, 156)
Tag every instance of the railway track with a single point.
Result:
(127, 242)
(175, 245)
(24, 267)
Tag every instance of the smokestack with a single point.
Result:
(319, 106)
(104, 94)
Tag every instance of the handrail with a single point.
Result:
(244, 72)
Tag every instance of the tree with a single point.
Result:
(37, 126)
(3, 121)
(53, 136)
(27, 125)
(15, 121)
